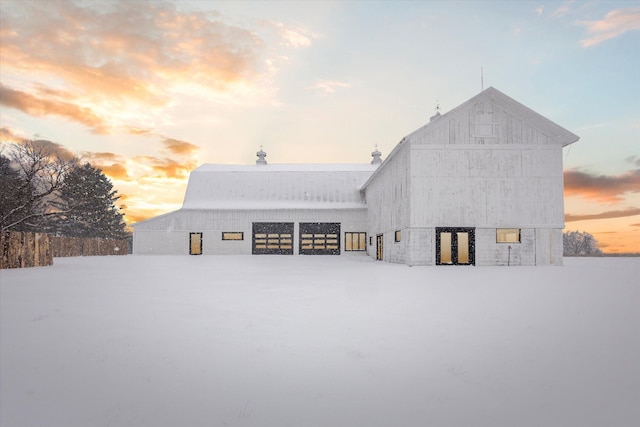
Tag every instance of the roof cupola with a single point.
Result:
(376, 157)
(261, 157)
(437, 115)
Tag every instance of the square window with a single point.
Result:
(232, 235)
(508, 235)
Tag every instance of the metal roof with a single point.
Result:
(277, 186)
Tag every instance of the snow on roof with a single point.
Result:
(277, 186)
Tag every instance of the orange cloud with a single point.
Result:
(39, 106)
(172, 169)
(118, 55)
(618, 242)
(102, 156)
(7, 135)
(604, 215)
(614, 24)
(115, 171)
(603, 188)
(138, 131)
(111, 164)
(178, 147)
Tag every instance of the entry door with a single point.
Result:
(195, 243)
(455, 246)
(379, 247)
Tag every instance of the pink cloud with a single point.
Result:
(614, 24)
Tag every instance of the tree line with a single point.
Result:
(49, 191)
(580, 243)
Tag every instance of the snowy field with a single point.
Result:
(318, 341)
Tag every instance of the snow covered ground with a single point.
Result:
(318, 341)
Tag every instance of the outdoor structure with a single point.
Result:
(479, 185)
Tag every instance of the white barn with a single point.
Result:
(479, 185)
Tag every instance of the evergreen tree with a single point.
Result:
(88, 198)
(14, 197)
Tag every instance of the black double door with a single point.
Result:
(455, 246)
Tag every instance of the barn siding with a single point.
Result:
(486, 186)
(388, 200)
(479, 166)
(169, 234)
(489, 163)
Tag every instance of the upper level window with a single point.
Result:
(232, 235)
(398, 236)
(508, 235)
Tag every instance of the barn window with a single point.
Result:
(195, 243)
(355, 241)
(508, 235)
(397, 236)
(232, 235)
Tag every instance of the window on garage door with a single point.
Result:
(320, 238)
(272, 238)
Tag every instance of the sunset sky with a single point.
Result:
(149, 90)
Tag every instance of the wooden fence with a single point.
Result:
(18, 249)
(79, 246)
(21, 250)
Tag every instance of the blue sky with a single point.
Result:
(150, 90)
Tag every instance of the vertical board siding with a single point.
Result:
(489, 163)
(486, 187)
(388, 198)
(169, 234)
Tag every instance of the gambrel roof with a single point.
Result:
(277, 186)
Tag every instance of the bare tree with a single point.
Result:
(576, 243)
(32, 173)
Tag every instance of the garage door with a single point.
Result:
(320, 238)
(272, 238)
